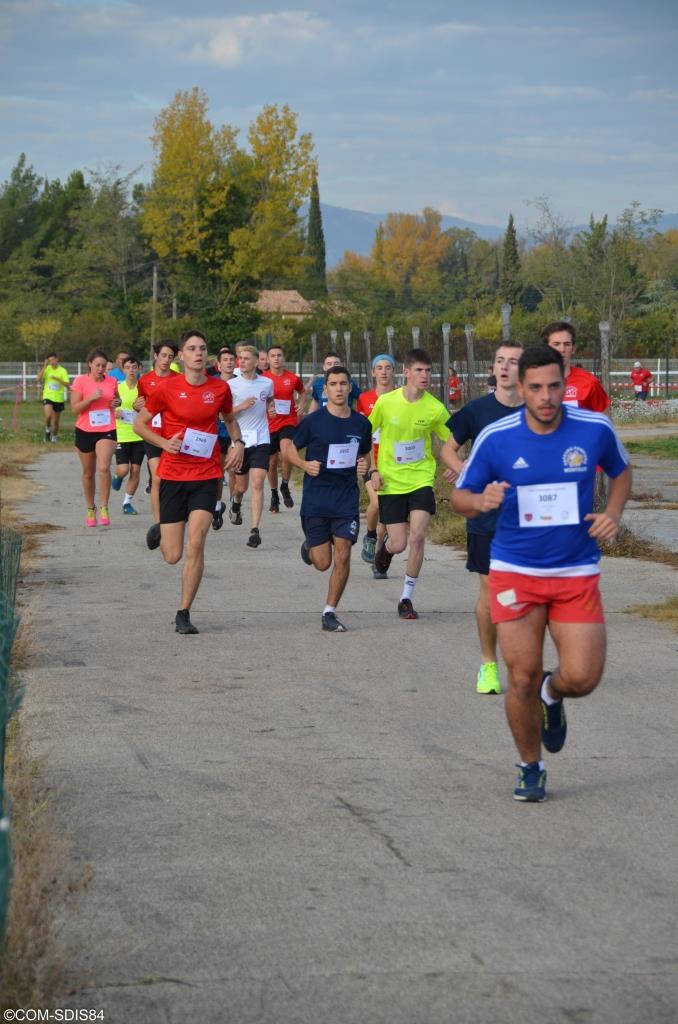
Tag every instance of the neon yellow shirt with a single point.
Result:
(123, 429)
(53, 380)
(405, 459)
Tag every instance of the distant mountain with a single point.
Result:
(354, 229)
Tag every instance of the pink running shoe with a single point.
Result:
(91, 518)
(103, 516)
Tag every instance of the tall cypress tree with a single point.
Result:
(315, 247)
(510, 285)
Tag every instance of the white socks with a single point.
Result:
(408, 588)
(127, 500)
(329, 608)
(545, 695)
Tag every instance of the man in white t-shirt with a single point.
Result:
(252, 396)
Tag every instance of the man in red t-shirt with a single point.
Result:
(288, 392)
(641, 380)
(453, 388)
(164, 353)
(383, 369)
(189, 470)
(581, 387)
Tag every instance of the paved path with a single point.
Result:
(287, 826)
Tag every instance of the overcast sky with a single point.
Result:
(473, 109)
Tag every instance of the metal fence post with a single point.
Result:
(445, 367)
(470, 362)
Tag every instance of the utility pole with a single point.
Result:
(470, 362)
(604, 329)
(445, 367)
(154, 309)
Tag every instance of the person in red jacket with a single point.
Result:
(641, 380)
(582, 388)
(453, 388)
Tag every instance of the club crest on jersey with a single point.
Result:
(575, 460)
(208, 397)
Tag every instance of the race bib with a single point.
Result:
(249, 437)
(99, 417)
(375, 435)
(156, 422)
(54, 386)
(198, 444)
(637, 388)
(127, 415)
(548, 505)
(342, 456)
(409, 451)
(282, 406)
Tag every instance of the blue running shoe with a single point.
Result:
(369, 544)
(553, 723)
(116, 482)
(129, 510)
(531, 786)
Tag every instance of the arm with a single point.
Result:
(142, 427)
(79, 404)
(289, 451)
(448, 453)
(236, 452)
(605, 524)
(469, 504)
(246, 404)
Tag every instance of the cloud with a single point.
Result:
(555, 92)
(655, 95)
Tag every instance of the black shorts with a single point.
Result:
(178, 498)
(153, 451)
(278, 435)
(224, 444)
(478, 552)
(86, 440)
(255, 457)
(396, 508)
(320, 529)
(129, 451)
(57, 406)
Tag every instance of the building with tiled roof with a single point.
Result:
(286, 303)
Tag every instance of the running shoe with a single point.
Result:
(116, 482)
(46, 439)
(531, 786)
(382, 556)
(488, 678)
(275, 502)
(104, 518)
(54, 439)
(183, 624)
(331, 623)
(286, 496)
(234, 513)
(129, 509)
(379, 575)
(305, 554)
(91, 518)
(553, 723)
(218, 516)
(369, 544)
(153, 537)
(254, 540)
(405, 609)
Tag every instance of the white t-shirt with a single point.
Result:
(253, 422)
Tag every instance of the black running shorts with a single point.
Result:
(178, 498)
(396, 508)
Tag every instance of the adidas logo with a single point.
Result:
(520, 463)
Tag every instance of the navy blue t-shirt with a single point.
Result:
(465, 426)
(334, 492)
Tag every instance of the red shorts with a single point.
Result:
(567, 598)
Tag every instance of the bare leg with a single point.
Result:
(54, 425)
(104, 454)
(133, 482)
(372, 514)
(155, 488)
(581, 655)
(340, 570)
(199, 523)
(522, 643)
(419, 521)
(258, 477)
(273, 472)
(487, 631)
(321, 556)
(240, 486)
(88, 461)
(172, 541)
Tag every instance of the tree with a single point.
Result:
(316, 281)
(39, 335)
(510, 285)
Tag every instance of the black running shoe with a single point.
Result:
(286, 496)
(553, 723)
(254, 540)
(275, 502)
(382, 557)
(183, 624)
(305, 554)
(218, 516)
(405, 609)
(153, 537)
(234, 513)
(331, 623)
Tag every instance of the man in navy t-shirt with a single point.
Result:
(538, 467)
(465, 426)
(319, 396)
(338, 444)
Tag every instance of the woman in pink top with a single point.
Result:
(94, 396)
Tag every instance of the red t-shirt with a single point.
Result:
(195, 406)
(640, 378)
(585, 390)
(365, 404)
(147, 385)
(454, 388)
(284, 386)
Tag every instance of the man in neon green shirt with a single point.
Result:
(55, 382)
(406, 418)
(129, 452)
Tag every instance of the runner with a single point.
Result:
(538, 467)
(318, 392)
(94, 396)
(251, 396)
(117, 370)
(129, 452)
(465, 426)
(189, 469)
(641, 378)
(337, 441)
(406, 418)
(263, 364)
(164, 354)
(383, 368)
(56, 382)
(453, 388)
(288, 395)
(225, 367)
(582, 388)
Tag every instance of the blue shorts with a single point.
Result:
(320, 529)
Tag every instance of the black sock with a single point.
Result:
(372, 534)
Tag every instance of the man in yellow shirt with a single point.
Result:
(129, 452)
(406, 418)
(55, 383)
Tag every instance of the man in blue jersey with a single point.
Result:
(338, 444)
(465, 426)
(319, 397)
(538, 468)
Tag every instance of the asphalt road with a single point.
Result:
(287, 826)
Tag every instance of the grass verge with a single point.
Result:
(665, 612)
(628, 545)
(657, 447)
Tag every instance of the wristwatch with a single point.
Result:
(239, 439)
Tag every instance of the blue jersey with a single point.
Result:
(334, 492)
(318, 392)
(465, 426)
(552, 479)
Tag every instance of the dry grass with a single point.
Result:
(628, 545)
(665, 612)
